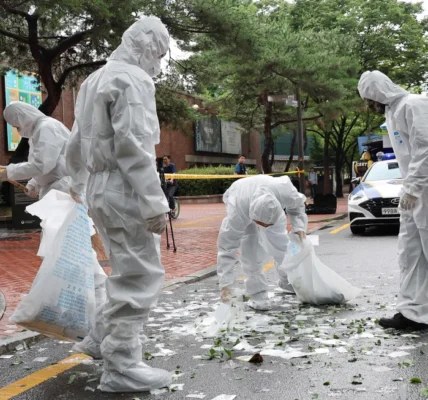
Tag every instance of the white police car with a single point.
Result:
(374, 202)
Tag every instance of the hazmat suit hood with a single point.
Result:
(22, 116)
(144, 44)
(265, 208)
(376, 86)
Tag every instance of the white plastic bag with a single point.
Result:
(314, 282)
(61, 301)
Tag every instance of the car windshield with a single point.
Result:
(383, 171)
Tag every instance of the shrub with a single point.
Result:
(201, 187)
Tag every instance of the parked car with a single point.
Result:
(374, 202)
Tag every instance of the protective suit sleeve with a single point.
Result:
(32, 182)
(135, 124)
(417, 123)
(45, 151)
(75, 164)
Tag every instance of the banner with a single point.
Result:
(20, 87)
(231, 137)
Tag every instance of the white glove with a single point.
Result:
(226, 294)
(407, 202)
(3, 173)
(76, 196)
(31, 192)
(302, 235)
(156, 224)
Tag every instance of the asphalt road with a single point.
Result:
(349, 355)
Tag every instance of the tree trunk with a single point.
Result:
(326, 164)
(339, 183)
(268, 147)
(293, 143)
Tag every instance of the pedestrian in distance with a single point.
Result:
(171, 184)
(313, 181)
(407, 124)
(240, 168)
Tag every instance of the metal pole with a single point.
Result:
(300, 139)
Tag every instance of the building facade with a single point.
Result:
(180, 145)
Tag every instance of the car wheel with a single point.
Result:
(358, 230)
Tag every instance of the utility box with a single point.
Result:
(20, 218)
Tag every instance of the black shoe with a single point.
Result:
(399, 321)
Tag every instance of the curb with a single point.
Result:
(326, 222)
(195, 277)
(2, 304)
(340, 216)
(9, 344)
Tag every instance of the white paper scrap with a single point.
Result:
(40, 359)
(225, 397)
(396, 354)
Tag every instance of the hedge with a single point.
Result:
(201, 187)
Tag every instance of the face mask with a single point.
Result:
(153, 68)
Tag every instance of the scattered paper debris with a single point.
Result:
(265, 371)
(225, 397)
(6, 356)
(196, 396)
(157, 392)
(396, 354)
(382, 369)
(40, 359)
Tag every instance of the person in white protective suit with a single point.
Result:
(112, 154)
(407, 125)
(256, 224)
(46, 167)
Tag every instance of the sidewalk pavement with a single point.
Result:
(195, 230)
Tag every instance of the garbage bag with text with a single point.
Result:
(61, 301)
(314, 282)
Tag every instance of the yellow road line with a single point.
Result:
(30, 381)
(267, 267)
(337, 230)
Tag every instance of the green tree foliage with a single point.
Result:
(385, 35)
(266, 57)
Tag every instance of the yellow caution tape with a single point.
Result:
(194, 177)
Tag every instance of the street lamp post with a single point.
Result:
(300, 140)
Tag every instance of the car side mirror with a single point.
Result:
(356, 180)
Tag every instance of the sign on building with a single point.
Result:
(231, 137)
(208, 135)
(20, 87)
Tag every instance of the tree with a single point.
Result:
(388, 36)
(63, 41)
(265, 58)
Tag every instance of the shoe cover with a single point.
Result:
(260, 301)
(285, 285)
(88, 347)
(91, 344)
(122, 353)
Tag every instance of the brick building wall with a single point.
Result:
(180, 145)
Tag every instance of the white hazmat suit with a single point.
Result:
(112, 154)
(261, 198)
(407, 124)
(45, 168)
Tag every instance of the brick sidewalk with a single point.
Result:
(195, 230)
